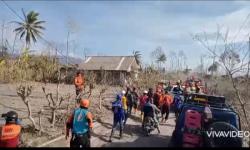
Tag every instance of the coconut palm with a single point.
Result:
(213, 68)
(30, 27)
(137, 55)
(161, 59)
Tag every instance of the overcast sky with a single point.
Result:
(119, 27)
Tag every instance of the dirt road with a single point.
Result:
(133, 135)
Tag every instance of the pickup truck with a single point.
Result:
(224, 119)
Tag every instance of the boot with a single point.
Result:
(158, 130)
(121, 134)
(111, 136)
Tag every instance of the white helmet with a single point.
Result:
(123, 92)
(145, 92)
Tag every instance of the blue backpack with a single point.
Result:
(117, 109)
(177, 102)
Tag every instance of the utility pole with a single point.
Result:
(85, 53)
(2, 47)
(248, 66)
(67, 57)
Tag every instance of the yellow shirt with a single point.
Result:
(124, 102)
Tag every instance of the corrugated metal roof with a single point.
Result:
(122, 63)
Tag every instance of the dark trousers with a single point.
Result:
(165, 110)
(130, 109)
(80, 141)
(78, 91)
(117, 121)
(125, 116)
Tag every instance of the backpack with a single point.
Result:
(177, 102)
(117, 109)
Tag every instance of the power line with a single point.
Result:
(57, 51)
(242, 25)
(12, 10)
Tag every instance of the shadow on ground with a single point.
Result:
(135, 118)
(129, 130)
(150, 141)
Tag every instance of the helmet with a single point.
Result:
(145, 92)
(84, 103)
(11, 117)
(123, 92)
(193, 88)
(118, 97)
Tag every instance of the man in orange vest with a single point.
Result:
(79, 82)
(165, 105)
(11, 131)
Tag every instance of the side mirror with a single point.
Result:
(4, 115)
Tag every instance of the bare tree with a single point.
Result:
(227, 54)
(172, 56)
(54, 103)
(159, 56)
(24, 92)
(101, 98)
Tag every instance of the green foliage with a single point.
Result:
(43, 68)
(162, 58)
(213, 67)
(30, 28)
(28, 67)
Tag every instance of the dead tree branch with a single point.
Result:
(24, 92)
(54, 104)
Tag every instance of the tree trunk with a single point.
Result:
(30, 114)
(40, 123)
(53, 117)
(242, 103)
(100, 102)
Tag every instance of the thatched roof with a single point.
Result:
(120, 63)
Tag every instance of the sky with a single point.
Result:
(120, 27)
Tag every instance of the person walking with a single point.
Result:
(80, 123)
(118, 116)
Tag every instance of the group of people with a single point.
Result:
(80, 122)
(187, 87)
(150, 104)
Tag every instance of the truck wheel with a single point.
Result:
(222, 141)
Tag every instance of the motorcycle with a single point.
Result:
(150, 125)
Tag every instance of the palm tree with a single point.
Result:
(213, 68)
(137, 55)
(161, 59)
(30, 27)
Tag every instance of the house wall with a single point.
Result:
(108, 77)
